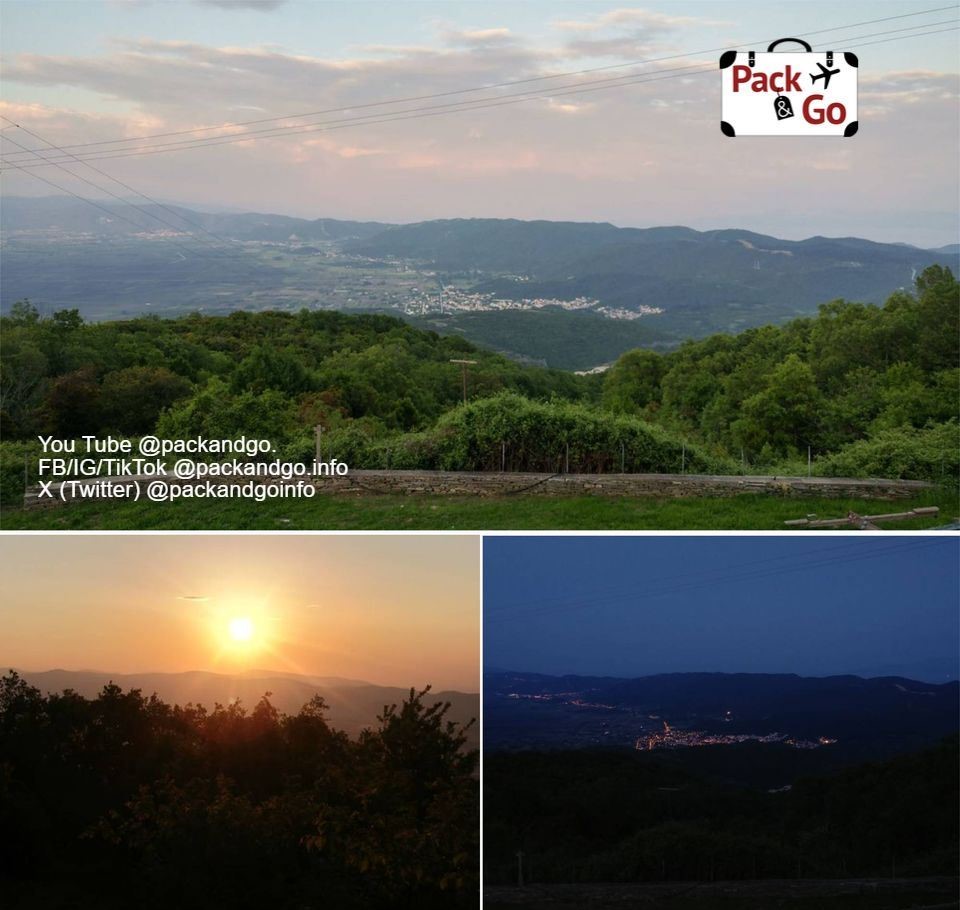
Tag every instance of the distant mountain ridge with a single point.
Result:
(715, 280)
(887, 713)
(354, 705)
(24, 213)
(704, 281)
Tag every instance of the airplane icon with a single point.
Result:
(824, 74)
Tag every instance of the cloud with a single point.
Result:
(643, 153)
(193, 597)
(627, 32)
(172, 77)
(645, 19)
(483, 37)
(885, 95)
(634, 47)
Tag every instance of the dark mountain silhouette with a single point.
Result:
(354, 705)
(868, 717)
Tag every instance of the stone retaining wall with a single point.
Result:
(457, 483)
(463, 483)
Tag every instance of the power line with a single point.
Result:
(102, 189)
(903, 37)
(97, 170)
(434, 110)
(416, 114)
(497, 85)
(102, 208)
(370, 119)
(228, 253)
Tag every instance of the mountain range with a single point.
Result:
(695, 276)
(60, 254)
(354, 704)
(866, 716)
(72, 216)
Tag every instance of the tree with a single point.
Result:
(784, 416)
(132, 399)
(938, 312)
(72, 403)
(633, 384)
(23, 312)
(417, 798)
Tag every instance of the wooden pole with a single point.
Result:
(864, 522)
(463, 367)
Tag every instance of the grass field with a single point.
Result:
(746, 512)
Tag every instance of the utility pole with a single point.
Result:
(463, 367)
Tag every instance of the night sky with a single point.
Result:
(873, 606)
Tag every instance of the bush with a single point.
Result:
(929, 454)
(13, 457)
(510, 431)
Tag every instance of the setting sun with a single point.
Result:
(241, 629)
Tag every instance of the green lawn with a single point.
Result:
(530, 513)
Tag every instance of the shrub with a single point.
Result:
(926, 454)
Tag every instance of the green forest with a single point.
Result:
(125, 801)
(621, 816)
(861, 390)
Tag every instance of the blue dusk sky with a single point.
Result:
(636, 606)
(78, 71)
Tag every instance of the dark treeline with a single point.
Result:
(619, 816)
(125, 801)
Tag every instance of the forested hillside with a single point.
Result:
(851, 374)
(866, 390)
(706, 281)
(622, 816)
(123, 800)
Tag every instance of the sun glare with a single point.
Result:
(241, 629)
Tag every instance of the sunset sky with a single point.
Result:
(383, 609)
(639, 155)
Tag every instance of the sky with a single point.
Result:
(648, 154)
(389, 610)
(619, 606)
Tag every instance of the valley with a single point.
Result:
(526, 289)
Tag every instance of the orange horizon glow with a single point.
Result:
(388, 610)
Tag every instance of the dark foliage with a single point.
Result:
(124, 800)
(595, 816)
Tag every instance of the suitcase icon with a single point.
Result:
(790, 93)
